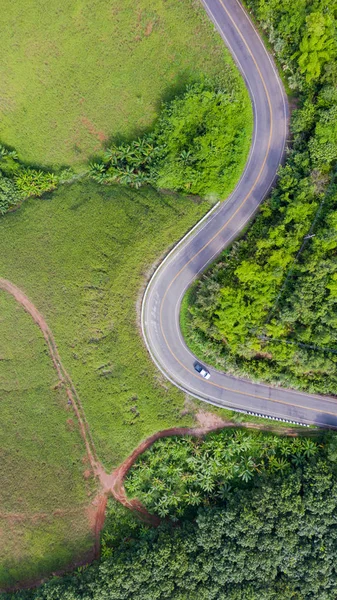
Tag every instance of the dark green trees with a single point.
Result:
(268, 309)
(273, 538)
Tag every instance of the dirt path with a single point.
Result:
(65, 380)
(63, 376)
(113, 484)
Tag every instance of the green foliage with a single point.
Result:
(199, 144)
(318, 45)
(303, 34)
(267, 310)
(31, 182)
(121, 528)
(205, 138)
(178, 474)
(18, 181)
(77, 74)
(323, 145)
(273, 538)
(130, 164)
(9, 194)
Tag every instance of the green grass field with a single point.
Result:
(82, 256)
(43, 493)
(74, 74)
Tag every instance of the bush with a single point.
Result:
(9, 194)
(199, 144)
(18, 181)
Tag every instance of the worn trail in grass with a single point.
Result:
(82, 256)
(45, 491)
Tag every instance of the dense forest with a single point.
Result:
(268, 308)
(272, 537)
(179, 474)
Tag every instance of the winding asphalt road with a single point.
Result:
(162, 299)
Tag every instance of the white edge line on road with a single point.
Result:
(188, 234)
(175, 247)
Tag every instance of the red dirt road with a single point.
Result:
(110, 484)
(113, 483)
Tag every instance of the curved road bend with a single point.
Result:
(162, 299)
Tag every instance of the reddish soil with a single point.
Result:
(113, 484)
(96, 516)
(100, 135)
(148, 28)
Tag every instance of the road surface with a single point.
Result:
(162, 299)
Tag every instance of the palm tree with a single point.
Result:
(285, 447)
(193, 498)
(246, 471)
(186, 157)
(309, 448)
(97, 172)
(297, 459)
(126, 175)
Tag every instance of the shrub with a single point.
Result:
(198, 145)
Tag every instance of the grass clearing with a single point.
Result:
(43, 493)
(75, 74)
(82, 255)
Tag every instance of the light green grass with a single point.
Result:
(43, 493)
(82, 256)
(75, 73)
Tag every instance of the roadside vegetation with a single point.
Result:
(267, 308)
(82, 255)
(81, 84)
(19, 181)
(199, 143)
(45, 494)
(75, 75)
(269, 538)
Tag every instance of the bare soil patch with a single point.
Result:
(113, 483)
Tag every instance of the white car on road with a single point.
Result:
(202, 370)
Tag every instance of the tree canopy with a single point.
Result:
(273, 538)
(268, 308)
(198, 145)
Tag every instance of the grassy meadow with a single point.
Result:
(75, 74)
(44, 495)
(82, 256)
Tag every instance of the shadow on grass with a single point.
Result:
(23, 164)
(174, 90)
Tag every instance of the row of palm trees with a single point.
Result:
(130, 164)
(134, 163)
(178, 473)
